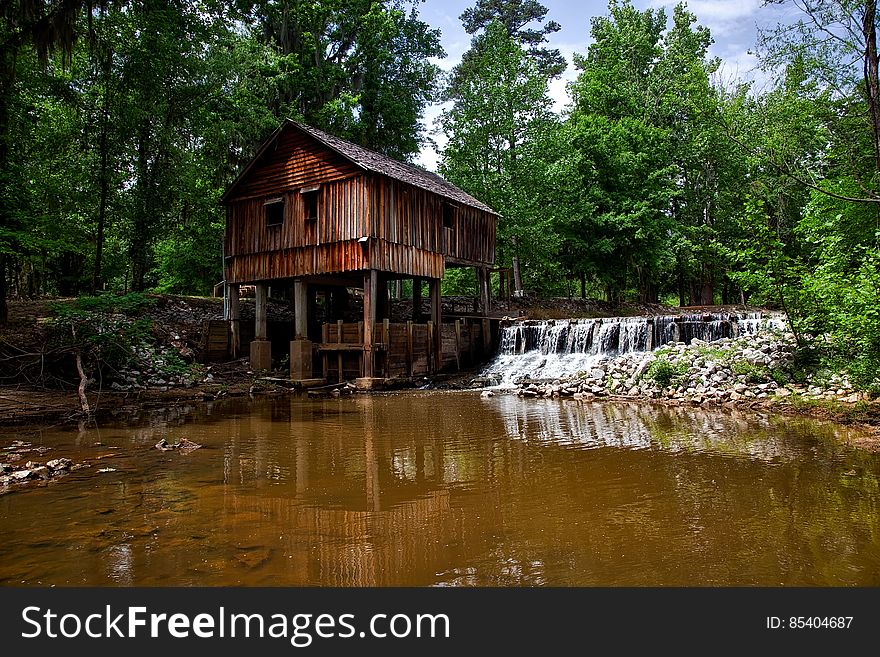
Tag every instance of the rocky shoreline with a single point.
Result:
(757, 369)
(15, 470)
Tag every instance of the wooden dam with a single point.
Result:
(331, 224)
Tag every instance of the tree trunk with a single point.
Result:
(104, 176)
(4, 309)
(6, 80)
(872, 85)
(140, 238)
(517, 276)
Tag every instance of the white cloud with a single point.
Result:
(722, 17)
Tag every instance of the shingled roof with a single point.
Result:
(377, 163)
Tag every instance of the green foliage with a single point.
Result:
(499, 126)
(663, 372)
(752, 373)
(460, 282)
(114, 332)
(133, 303)
(123, 146)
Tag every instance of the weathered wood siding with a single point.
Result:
(407, 215)
(295, 160)
(403, 223)
(407, 348)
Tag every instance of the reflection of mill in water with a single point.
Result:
(347, 515)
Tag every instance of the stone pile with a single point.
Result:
(727, 371)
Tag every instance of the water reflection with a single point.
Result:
(450, 489)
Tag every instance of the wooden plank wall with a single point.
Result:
(329, 258)
(342, 216)
(405, 222)
(295, 160)
(462, 344)
(407, 215)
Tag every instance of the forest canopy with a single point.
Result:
(121, 123)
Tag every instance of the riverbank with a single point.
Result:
(160, 367)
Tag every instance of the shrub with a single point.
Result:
(663, 372)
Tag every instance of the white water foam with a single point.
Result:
(558, 348)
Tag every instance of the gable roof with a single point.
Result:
(370, 161)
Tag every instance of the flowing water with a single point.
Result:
(555, 348)
(448, 489)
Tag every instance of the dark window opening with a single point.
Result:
(448, 215)
(274, 211)
(310, 203)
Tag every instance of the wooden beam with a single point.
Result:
(409, 348)
(234, 316)
(300, 309)
(484, 285)
(437, 319)
(386, 342)
(370, 285)
(262, 306)
(458, 344)
(339, 355)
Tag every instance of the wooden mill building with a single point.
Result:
(315, 214)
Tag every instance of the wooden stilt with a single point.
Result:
(260, 312)
(300, 310)
(370, 285)
(234, 316)
(437, 319)
(339, 354)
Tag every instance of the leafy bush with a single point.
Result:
(753, 373)
(663, 372)
(132, 303)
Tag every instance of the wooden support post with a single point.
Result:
(429, 348)
(472, 342)
(325, 358)
(483, 284)
(487, 338)
(234, 317)
(437, 318)
(261, 349)
(300, 309)
(409, 348)
(370, 285)
(260, 311)
(458, 344)
(417, 299)
(386, 340)
(339, 354)
(360, 339)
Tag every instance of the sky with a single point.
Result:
(733, 24)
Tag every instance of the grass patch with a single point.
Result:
(663, 372)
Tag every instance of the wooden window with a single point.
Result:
(448, 215)
(310, 202)
(274, 209)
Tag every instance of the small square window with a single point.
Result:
(448, 215)
(274, 209)
(310, 203)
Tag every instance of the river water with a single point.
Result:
(448, 489)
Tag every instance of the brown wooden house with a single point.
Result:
(314, 212)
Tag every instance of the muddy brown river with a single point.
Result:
(447, 489)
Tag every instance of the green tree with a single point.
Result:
(500, 109)
(516, 16)
(28, 27)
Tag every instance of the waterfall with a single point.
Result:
(556, 348)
